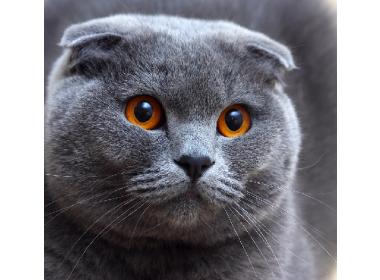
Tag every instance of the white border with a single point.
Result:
(21, 116)
(358, 140)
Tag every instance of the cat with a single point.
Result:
(173, 141)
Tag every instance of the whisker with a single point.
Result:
(138, 221)
(67, 208)
(224, 192)
(303, 229)
(101, 233)
(262, 236)
(152, 228)
(88, 188)
(113, 209)
(241, 243)
(254, 242)
(313, 164)
(86, 199)
(273, 237)
(283, 210)
(233, 184)
(297, 192)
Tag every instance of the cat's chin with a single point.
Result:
(188, 210)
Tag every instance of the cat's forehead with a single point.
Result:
(183, 29)
(192, 80)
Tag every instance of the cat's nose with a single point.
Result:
(194, 166)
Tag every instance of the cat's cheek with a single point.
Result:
(245, 154)
(128, 146)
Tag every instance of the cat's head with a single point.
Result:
(169, 124)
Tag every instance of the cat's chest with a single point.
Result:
(97, 265)
(102, 260)
(164, 266)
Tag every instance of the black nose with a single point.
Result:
(194, 166)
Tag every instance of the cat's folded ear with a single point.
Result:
(265, 58)
(92, 49)
(76, 40)
(82, 33)
(261, 46)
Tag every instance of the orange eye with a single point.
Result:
(144, 111)
(234, 121)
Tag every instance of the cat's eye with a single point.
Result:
(234, 121)
(144, 111)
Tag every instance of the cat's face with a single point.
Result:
(177, 180)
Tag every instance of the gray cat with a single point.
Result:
(172, 148)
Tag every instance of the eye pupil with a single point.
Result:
(143, 111)
(234, 119)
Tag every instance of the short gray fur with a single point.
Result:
(195, 68)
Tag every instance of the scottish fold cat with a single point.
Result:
(186, 140)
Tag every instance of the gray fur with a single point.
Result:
(195, 69)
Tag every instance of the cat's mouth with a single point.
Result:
(192, 194)
(186, 211)
(188, 208)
